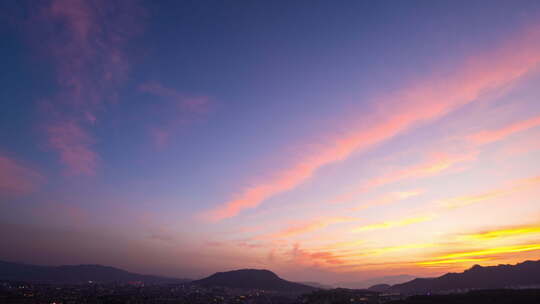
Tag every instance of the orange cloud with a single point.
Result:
(486, 137)
(308, 227)
(315, 258)
(336, 258)
(424, 102)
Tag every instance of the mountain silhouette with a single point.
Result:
(317, 285)
(75, 274)
(379, 287)
(526, 274)
(253, 279)
(390, 280)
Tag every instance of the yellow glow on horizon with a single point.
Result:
(498, 250)
(454, 261)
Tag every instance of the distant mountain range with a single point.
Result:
(253, 279)
(390, 280)
(317, 285)
(379, 287)
(75, 274)
(526, 274)
(478, 277)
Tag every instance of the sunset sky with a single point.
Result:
(329, 141)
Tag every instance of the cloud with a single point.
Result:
(85, 41)
(441, 162)
(17, 179)
(488, 239)
(306, 227)
(435, 164)
(503, 233)
(337, 257)
(521, 146)
(344, 245)
(454, 261)
(75, 147)
(424, 102)
(394, 224)
(389, 198)
(511, 187)
(489, 252)
(486, 137)
(314, 258)
(193, 104)
(178, 109)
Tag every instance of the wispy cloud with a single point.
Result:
(308, 226)
(424, 102)
(178, 109)
(389, 198)
(454, 261)
(394, 224)
(314, 258)
(511, 187)
(504, 233)
(485, 137)
(17, 179)
(85, 41)
(193, 104)
(435, 164)
(487, 252)
(490, 245)
(75, 147)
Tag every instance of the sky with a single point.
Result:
(329, 141)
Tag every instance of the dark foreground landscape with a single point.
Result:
(21, 283)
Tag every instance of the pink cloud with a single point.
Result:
(424, 102)
(17, 179)
(74, 145)
(486, 137)
(442, 162)
(85, 41)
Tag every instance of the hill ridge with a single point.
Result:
(252, 279)
(522, 274)
(75, 274)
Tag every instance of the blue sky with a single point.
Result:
(199, 136)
